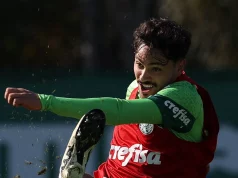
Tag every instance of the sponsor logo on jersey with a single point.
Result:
(134, 153)
(146, 129)
(179, 113)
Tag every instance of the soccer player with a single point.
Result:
(166, 127)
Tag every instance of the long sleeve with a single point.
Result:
(117, 111)
(177, 107)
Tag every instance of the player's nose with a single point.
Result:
(145, 76)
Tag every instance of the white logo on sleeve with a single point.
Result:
(146, 129)
(135, 153)
(180, 113)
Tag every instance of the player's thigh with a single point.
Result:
(87, 176)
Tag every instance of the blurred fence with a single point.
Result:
(31, 141)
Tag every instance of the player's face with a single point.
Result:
(153, 71)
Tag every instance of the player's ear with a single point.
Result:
(181, 65)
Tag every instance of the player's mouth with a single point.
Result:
(146, 88)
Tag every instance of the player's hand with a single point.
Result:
(22, 97)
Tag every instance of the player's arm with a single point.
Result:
(177, 107)
(117, 111)
(170, 107)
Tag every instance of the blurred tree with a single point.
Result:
(38, 33)
(124, 17)
(106, 30)
(214, 28)
(91, 35)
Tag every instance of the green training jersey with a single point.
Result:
(177, 107)
(189, 98)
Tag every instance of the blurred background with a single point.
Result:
(83, 48)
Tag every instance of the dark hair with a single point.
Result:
(163, 34)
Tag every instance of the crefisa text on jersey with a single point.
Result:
(134, 153)
(178, 112)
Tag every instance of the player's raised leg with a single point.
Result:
(83, 139)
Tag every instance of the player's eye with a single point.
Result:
(156, 69)
(140, 66)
